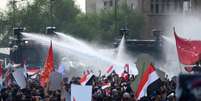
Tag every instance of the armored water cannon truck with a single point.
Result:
(25, 49)
(152, 47)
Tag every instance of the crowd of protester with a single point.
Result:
(119, 88)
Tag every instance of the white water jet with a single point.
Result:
(75, 42)
(121, 49)
(121, 59)
(63, 46)
(170, 40)
(86, 46)
(172, 65)
(80, 50)
(122, 54)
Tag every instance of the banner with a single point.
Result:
(19, 78)
(81, 93)
(55, 81)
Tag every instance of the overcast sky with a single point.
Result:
(80, 3)
(3, 4)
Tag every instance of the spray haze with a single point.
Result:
(80, 51)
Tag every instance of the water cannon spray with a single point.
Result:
(156, 34)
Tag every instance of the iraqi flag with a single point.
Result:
(109, 70)
(106, 85)
(86, 79)
(148, 80)
(33, 70)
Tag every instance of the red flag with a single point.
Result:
(148, 78)
(85, 78)
(125, 76)
(110, 69)
(188, 50)
(48, 67)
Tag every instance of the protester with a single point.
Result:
(104, 88)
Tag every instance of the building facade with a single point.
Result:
(96, 6)
(157, 13)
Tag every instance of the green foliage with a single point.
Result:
(101, 27)
(68, 19)
(36, 16)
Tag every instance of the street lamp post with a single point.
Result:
(51, 12)
(50, 30)
(17, 43)
(115, 16)
(14, 8)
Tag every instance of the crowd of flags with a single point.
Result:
(189, 52)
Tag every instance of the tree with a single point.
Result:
(36, 16)
(100, 27)
(67, 18)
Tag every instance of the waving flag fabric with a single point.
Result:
(188, 50)
(149, 77)
(48, 67)
(110, 69)
(85, 78)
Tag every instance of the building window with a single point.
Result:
(169, 6)
(186, 6)
(163, 6)
(110, 3)
(157, 9)
(155, 6)
(105, 3)
(152, 8)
